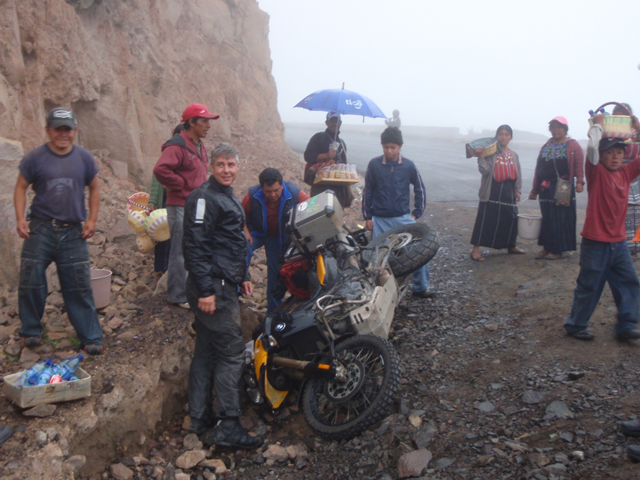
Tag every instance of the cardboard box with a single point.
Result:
(31, 396)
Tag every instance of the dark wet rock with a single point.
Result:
(558, 409)
(530, 397)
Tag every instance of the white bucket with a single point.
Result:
(101, 285)
(529, 226)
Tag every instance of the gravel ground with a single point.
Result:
(491, 387)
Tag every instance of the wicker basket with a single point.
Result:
(615, 126)
(136, 221)
(145, 243)
(489, 144)
(138, 202)
(157, 225)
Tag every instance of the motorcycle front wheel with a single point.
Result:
(338, 410)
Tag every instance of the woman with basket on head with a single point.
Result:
(561, 160)
(497, 219)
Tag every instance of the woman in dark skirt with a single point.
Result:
(497, 219)
(560, 156)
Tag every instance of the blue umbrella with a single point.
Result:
(342, 101)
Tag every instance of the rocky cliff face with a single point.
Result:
(128, 68)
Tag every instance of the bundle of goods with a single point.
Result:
(616, 126)
(488, 144)
(339, 173)
(138, 206)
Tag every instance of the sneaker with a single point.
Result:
(93, 349)
(184, 305)
(585, 335)
(229, 433)
(424, 294)
(31, 341)
(629, 335)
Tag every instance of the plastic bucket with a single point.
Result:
(101, 285)
(529, 226)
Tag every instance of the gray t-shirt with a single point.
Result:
(59, 182)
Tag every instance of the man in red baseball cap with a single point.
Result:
(182, 168)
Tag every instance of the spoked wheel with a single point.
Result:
(412, 247)
(360, 396)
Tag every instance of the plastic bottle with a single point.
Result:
(34, 371)
(70, 368)
(47, 373)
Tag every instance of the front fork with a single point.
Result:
(259, 386)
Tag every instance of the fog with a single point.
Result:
(463, 63)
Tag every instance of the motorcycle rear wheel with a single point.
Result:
(337, 411)
(417, 245)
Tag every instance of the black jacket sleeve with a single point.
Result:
(314, 148)
(199, 230)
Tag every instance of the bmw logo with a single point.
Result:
(280, 327)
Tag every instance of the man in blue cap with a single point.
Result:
(58, 172)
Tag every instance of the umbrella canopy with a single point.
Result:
(342, 101)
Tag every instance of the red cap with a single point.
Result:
(560, 119)
(197, 110)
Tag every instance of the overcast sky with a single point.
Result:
(465, 63)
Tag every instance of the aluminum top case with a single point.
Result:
(315, 221)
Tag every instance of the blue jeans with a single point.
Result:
(177, 274)
(272, 249)
(602, 262)
(381, 225)
(64, 246)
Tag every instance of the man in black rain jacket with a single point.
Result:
(215, 251)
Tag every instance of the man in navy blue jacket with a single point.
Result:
(267, 206)
(386, 201)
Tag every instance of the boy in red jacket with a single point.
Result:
(604, 255)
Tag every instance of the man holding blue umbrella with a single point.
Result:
(324, 149)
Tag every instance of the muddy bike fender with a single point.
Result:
(273, 396)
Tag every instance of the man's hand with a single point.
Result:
(332, 154)
(89, 229)
(246, 288)
(23, 228)
(598, 119)
(517, 197)
(635, 124)
(579, 188)
(480, 152)
(369, 225)
(533, 196)
(248, 236)
(207, 304)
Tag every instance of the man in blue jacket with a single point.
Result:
(386, 201)
(267, 208)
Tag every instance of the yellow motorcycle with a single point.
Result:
(333, 345)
